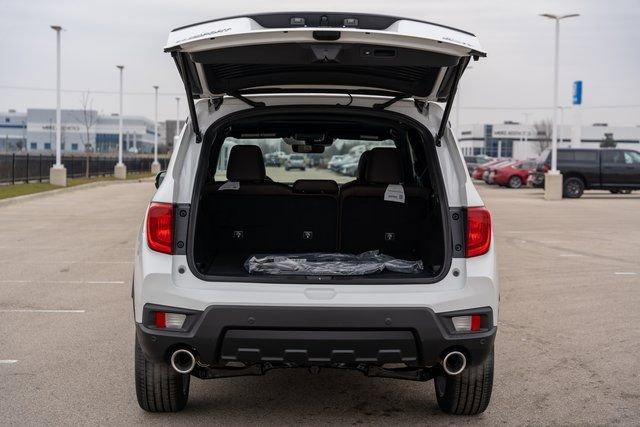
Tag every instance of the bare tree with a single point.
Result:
(87, 119)
(544, 129)
(608, 141)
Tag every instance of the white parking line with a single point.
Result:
(625, 273)
(64, 262)
(29, 310)
(8, 361)
(89, 282)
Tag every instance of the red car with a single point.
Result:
(513, 175)
(477, 172)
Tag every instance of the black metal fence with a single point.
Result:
(35, 167)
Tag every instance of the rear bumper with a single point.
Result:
(306, 336)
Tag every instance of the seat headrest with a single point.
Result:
(246, 164)
(315, 186)
(362, 166)
(383, 166)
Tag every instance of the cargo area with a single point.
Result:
(390, 205)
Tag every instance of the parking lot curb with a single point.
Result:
(42, 194)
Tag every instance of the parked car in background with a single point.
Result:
(349, 168)
(479, 170)
(272, 159)
(486, 175)
(336, 161)
(295, 161)
(610, 169)
(475, 161)
(512, 175)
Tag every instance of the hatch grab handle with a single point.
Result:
(447, 108)
(180, 59)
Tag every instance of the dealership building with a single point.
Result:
(521, 141)
(35, 130)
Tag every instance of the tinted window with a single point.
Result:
(613, 157)
(631, 157)
(527, 165)
(586, 156)
(345, 155)
(566, 156)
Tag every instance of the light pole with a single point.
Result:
(177, 120)
(58, 173)
(155, 166)
(553, 180)
(458, 96)
(120, 170)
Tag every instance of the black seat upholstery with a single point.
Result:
(315, 186)
(368, 222)
(261, 216)
(246, 167)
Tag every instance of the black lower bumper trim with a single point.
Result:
(304, 336)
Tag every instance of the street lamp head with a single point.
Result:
(559, 17)
(56, 27)
(156, 87)
(120, 67)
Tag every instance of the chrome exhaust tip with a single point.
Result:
(183, 361)
(454, 363)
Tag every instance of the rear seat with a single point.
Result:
(369, 222)
(314, 223)
(251, 214)
(246, 213)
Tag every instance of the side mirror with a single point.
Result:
(160, 177)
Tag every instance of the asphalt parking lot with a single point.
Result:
(566, 353)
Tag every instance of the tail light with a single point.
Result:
(478, 231)
(472, 323)
(165, 320)
(160, 227)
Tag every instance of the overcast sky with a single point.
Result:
(601, 47)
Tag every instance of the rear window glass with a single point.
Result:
(566, 156)
(338, 162)
(586, 156)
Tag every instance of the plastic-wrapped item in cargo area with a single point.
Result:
(329, 264)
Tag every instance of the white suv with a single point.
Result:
(242, 268)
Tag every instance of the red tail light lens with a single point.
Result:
(160, 227)
(478, 231)
(160, 319)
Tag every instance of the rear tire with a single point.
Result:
(515, 182)
(158, 387)
(572, 188)
(468, 393)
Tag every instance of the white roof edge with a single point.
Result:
(212, 34)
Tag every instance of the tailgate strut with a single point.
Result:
(449, 104)
(181, 62)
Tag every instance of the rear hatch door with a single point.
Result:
(321, 52)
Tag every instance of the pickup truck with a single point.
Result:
(616, 170)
